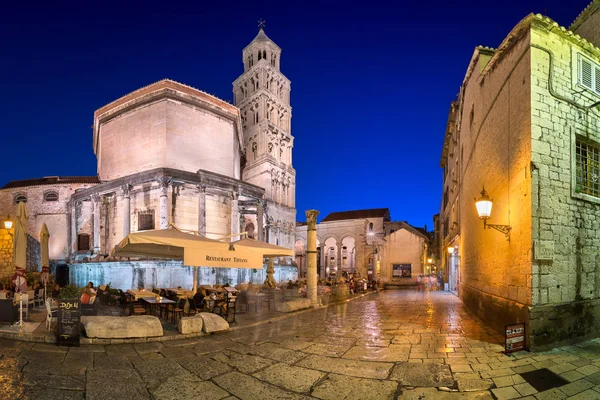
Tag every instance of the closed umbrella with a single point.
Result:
(20, 256)
(44, 238)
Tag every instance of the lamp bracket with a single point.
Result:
(500, 228)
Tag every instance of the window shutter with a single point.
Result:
(586, 74)
(597, 80)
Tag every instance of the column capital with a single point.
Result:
(164, 181)
(201, 187)
(311, 218)
(126, 189)
(95, 198)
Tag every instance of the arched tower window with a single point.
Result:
(265, 54)
(370, 227)
(259, 55)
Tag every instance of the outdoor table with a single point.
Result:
(259, 297)
(152, 301)
(139, 294)
(182, 292)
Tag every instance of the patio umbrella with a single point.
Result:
(266, 250)
(194, 250)
(20, 256)
(44, 238)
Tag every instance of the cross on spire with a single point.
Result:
(261, 23)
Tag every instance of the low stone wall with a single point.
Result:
(149, 274)
(558, 324)
(495, 311)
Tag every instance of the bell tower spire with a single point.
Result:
(262, 93)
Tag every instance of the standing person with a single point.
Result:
(434, 282)
(425, 282)
(419, 279)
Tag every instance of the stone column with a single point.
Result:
(338, 262)
(74, 232)
(126, 189)
(96, 200)
(311, 255)
(202, 209)
(164, 201)
(235, 216)
(259, 221)
(324, 261)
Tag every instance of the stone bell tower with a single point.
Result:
(262, 93)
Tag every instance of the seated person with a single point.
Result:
(90, 287)
(56, 291)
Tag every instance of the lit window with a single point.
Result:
(51, 196)
(588, 168)
(146, 220)
(20, 198)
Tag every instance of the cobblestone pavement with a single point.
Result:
(395, 344)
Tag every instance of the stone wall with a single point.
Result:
(34, 255)
(54, 214)
(6, 254)
(167, 134)
(566, 279)
(167, 274)
(494, 126)
(403, 247)
(589, 28)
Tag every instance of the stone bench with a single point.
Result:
(293, 305)
(135, 326)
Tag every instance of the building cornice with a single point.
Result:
(585, 14)
(209, 179)
(256, 67)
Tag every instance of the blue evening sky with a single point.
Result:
(371, 82)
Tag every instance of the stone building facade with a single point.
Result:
(360, 240)
(526, 126)
(169, 154)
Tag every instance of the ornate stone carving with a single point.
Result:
(311, 218)
(126, 190)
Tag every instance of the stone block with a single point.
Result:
(190, 325)
(136, 326)
(212, 322)
(293, 305)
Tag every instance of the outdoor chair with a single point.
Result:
(25, 303)
(126, 299)
(39, 298)
(136, 309)
(178, 309)
(30, 299)
(50, 314)
(2, 295)
(193, 307)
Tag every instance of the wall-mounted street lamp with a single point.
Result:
(450, 249)
(8, 224)
(484, 209)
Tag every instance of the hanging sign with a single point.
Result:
(68, 322)
(514, 338)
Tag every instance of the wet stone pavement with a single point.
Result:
(394, 344)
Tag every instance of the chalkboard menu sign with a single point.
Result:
(69, 319)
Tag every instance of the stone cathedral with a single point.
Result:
(169, 154)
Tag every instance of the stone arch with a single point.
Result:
(348, 253)
(251, 230)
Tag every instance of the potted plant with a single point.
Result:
(69, 292)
